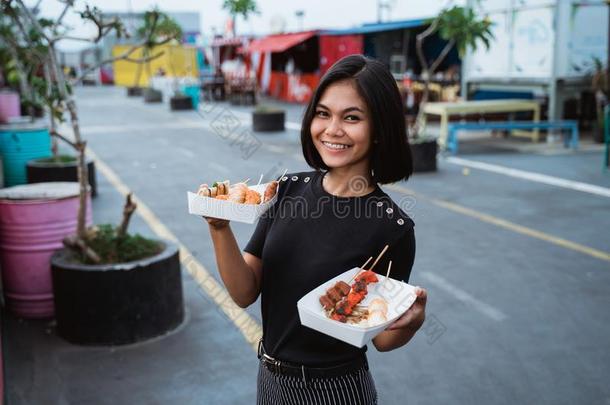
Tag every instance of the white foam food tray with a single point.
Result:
(212, 207)
(399, 296)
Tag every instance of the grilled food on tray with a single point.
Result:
(341, 301)
(238, 193)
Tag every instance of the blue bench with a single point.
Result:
(569, 141)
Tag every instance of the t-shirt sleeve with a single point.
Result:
(402, 255)
(257, 240)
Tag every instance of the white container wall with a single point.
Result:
(548, 46)
(586, 37)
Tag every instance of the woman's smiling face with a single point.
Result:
(340, 128)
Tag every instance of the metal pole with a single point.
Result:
(553, 109)
(464, 65)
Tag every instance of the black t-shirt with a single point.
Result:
(310, 236)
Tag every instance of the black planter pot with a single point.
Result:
(597, 132)
(41, 171)
(181, 103)
(268, 121)
(118, 303)
(424, 156)
(152, 95)
(134, 91)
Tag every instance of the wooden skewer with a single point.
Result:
(362, 268)
(380, 255)
(283, 174)
(387, 274)
(367, 262)
(260, 179)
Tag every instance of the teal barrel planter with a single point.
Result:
(20, 143)
(193, 93)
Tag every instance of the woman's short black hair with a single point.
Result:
(391, 155)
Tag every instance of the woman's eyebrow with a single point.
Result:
(348, 109)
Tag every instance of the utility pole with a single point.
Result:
(300, 14)
(380, 6)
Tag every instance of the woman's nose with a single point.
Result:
(334, 128)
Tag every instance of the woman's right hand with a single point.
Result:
(217, 223)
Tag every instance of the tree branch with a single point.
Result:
(123, 56)
(128, 210)
(53, 132)
(63, 138)
(69, 3)
(419, 43)
(441, 56)
(74, 242)
(71, 38)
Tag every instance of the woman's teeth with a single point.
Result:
(336, 145)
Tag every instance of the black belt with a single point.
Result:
(300, 371)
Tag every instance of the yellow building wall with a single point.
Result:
(176, 61)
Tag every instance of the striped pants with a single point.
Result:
(356, 388)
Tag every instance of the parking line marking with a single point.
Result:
(531, 176)
(463, 296)
(247, 325)
(502, 223)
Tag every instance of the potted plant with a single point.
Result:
(21, 137)
(462, 28)
(132, 293)
(120, 276)
(424, 150)
(20, 71)
(268, 119)
(180, 101)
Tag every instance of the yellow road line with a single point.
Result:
(247, 325)
(502, 223)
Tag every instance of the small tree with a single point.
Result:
(462, 28)
(21, 61)
(157, 29)
(27, 29)
(239, 7)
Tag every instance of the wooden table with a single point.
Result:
(445, 109)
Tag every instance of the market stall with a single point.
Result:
(286, 65)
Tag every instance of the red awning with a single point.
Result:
(279, 43)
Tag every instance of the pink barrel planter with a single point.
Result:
(9, 106)
(34, 219)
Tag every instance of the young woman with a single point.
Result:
(323, 223)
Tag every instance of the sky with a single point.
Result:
(273, 13)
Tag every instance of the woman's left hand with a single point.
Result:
(414, 317)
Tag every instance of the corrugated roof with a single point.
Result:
(378, 27)
(279, 42)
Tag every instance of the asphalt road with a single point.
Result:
(517, 271)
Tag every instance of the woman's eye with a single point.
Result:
(352, 118)
(321, 113)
